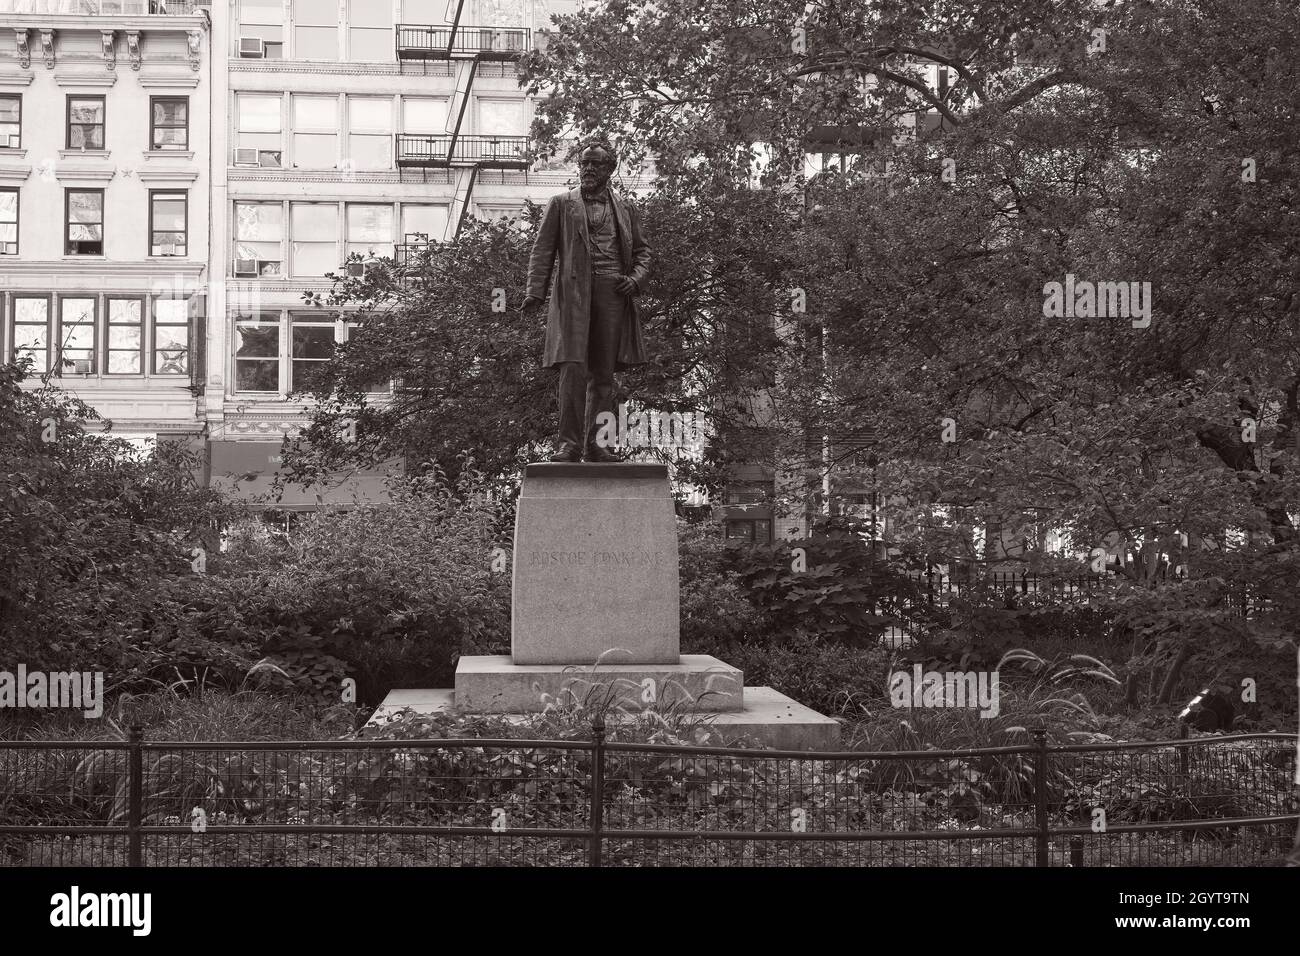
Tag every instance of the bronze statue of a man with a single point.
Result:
(591, 239)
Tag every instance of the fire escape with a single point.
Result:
(464, 154)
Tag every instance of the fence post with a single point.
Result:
(1182, 751)
(1076, 851)
(597, 791)
(135, 795)
(1040, 794)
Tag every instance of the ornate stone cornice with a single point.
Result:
(76, 78)
(164, 175)
(169, 81)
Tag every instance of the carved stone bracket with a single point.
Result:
(24, 52)
(47, 48)
(108, 41)
(194, 43)
(133, 48)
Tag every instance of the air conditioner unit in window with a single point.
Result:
(252, 47)
(165, 249)
(246, 267)
(245, 157)
(8, 248)
(269, 157)
(82, 366)
(13, 141)
(358, 270)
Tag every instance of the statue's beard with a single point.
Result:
(596, 188)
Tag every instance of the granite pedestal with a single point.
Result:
(595, 614)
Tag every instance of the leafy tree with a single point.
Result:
(97, 539)
(1148, 142)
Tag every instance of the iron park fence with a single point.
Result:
(1209, 801)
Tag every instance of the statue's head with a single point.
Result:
(596, 165)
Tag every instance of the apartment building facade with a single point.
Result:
(354, 128)
(176, 174)
(104, 203)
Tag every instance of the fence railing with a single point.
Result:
(485, 150)
(416, 41)
(935, 587)
(1220, 800)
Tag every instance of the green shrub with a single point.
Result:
(389, 595)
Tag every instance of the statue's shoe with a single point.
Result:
(568, 451)
(595, 453)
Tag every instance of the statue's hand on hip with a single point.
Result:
(625, 286)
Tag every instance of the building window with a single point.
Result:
(8, 222)
(312, 344)
(429, 221)
(261, 20)
(85, 222)
(125, 336)
(370, 230)
(370, 132)
(315, 132)
(499, 210)
(314, 236)
(31, 336)
(424, 12)
(501, 117)
(759, 531)
(77, 335)
(316, 29)
(422, 115)
(171, 337)
(258, 119)
(257, 353)
(259, 235)
(169, 122)
(370, 30)
(11, 121)
(85, 122)
(381, 387)
(168, 226)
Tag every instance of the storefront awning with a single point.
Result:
(246, 470)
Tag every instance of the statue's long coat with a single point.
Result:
(562, 246)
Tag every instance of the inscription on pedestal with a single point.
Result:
(594, 559)
(595, 566)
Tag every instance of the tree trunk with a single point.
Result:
(1175, 671)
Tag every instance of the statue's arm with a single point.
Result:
(642, 257)
(542, 260)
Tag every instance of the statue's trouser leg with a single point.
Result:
(570, 392)
(607, 308)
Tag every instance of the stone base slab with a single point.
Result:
(494, 684)
(768, 719)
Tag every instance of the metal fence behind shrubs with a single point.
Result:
(1209, 800)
